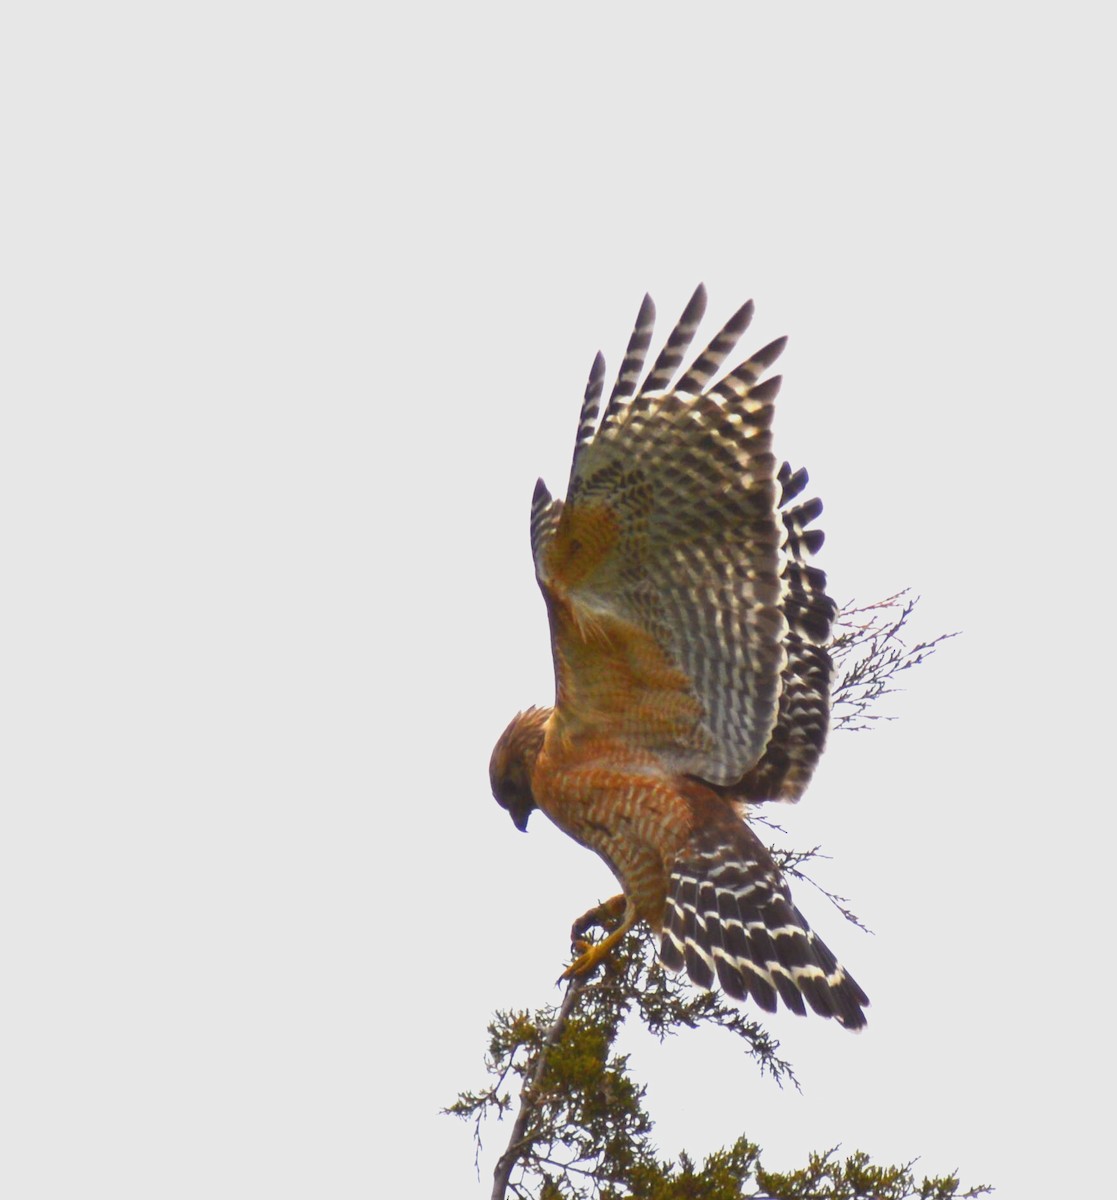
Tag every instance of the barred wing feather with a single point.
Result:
(666, 569)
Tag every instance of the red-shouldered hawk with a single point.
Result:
(689, 635)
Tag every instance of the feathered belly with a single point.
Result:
(634, 821)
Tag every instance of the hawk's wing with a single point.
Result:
(799, 735)
(670, 572)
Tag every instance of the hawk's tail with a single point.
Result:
(730, 915)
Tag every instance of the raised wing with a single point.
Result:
(803, 719)
(665, 571)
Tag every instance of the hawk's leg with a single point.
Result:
(590, 955)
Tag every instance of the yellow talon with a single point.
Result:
(590, 955)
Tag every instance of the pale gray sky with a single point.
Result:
(297, 303)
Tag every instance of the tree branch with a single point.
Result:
(518, 1141)
(870, 651)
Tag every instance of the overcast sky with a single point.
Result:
(297, 302)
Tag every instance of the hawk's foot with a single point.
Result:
(590, 955)
(602, 916)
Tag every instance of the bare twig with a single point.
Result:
(869, 650)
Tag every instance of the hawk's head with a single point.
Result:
(512, 762)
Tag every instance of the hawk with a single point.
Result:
(689, 632)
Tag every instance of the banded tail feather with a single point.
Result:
(730, 917)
